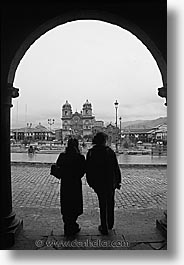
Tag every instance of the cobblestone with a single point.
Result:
(33, 186)
(138, 204)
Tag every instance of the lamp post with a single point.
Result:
(116, 108)
(50, 122)
(70, 130)
(29, 136)
(120, 128)
(29, 124)
(136, 139)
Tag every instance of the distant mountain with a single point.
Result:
(144, 123)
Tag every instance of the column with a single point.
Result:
(9, 224)
(162, 223)
(162, 92)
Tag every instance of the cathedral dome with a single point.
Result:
(67, 105)
(87, 104)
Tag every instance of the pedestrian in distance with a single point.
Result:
(72, 169)
(104, 176)
(31, 150)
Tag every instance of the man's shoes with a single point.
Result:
(72, 233)
(77, 230)
(103, 231)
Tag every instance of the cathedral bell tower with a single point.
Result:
(88, 119)
(66, 119)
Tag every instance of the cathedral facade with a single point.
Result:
(77, 124)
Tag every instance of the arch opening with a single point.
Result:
(114, 82)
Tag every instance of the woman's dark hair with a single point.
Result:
(72, 145)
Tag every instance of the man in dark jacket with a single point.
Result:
(104, 176)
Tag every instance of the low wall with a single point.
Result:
(14, 163)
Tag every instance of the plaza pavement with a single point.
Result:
(140, 201)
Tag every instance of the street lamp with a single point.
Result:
(29, 135)
(29, 125)
(120, 128)
(136, 139)
(50, 122)
(70, 130)
(116, 108)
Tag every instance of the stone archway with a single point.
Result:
(10, 224)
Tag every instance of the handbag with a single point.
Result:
(55, 171)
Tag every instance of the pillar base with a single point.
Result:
(10, 227)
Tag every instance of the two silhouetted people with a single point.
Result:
(102, 174)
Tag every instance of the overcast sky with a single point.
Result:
(90, 60)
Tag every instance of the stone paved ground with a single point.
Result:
(33, 186)
(139, 203)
